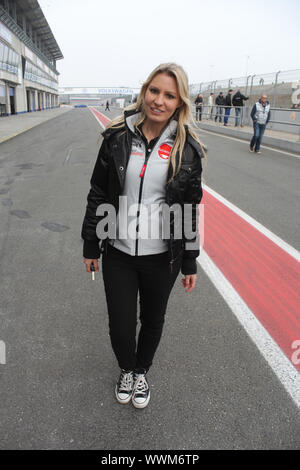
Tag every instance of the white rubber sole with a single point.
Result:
(141, 405)
(123, 402)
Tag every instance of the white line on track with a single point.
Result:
(281, 243)
(247, 143)
(102, 125)
(277, 360)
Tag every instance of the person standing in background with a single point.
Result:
(228, 104)
(199, 105)
(260, 115)
(220, 102)
(238, 102)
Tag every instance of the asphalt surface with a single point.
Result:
(210, 387)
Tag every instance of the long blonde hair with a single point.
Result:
(182, 114)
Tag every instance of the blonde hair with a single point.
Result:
(182, 114)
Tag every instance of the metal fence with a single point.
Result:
(282, 119)
(282, 88)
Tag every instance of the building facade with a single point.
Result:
(28, 55)
(97, 96)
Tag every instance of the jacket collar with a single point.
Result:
(112, 130)
(263, 104)
(132, 116)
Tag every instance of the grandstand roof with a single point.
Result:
(32, 10)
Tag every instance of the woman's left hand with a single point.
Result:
(189, 282)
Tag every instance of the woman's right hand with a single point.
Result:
(88, 263)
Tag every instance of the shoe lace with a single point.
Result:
(141, 384)
(126, 379)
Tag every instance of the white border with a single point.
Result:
(275, 357)
(281, 243)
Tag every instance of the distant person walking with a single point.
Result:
(228, 104)
(210, 106)
(260, 115)
(220, 102)
(107, 106)
(199, 106)
(238, 102)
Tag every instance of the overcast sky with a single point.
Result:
(118, 42)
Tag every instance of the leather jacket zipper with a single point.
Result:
(172, 258)
(171, 235)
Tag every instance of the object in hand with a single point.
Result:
(93, 271)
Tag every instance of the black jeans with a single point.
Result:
(198, 113)
(219, 114)
(124, 276)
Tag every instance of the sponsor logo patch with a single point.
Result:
(164, 151)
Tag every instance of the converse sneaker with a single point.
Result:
(124, 386)
(141, 390)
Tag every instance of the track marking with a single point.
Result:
(263, 274)
(284, 245)
(101, 118)
(31, 127)
(277, 360)
(20, 132)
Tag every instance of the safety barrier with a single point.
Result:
(282, 119)
(282, 87)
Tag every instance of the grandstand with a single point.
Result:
(28, 55)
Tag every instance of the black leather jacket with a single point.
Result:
(238, 99)
(220, 100)
(107, 183)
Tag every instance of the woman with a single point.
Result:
(199, 105)
(151, 158)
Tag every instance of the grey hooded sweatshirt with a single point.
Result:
(139, 221)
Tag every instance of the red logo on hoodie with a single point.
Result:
(164, 151)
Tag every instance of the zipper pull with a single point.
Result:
(143, 171)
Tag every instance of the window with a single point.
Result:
(34, 74)
(9, 59)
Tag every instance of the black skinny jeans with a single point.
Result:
(124, 276)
